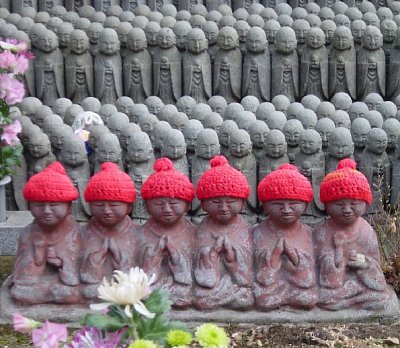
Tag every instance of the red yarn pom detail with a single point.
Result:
(288, 166)
(109, 166)
(217, 161)
(163, 164)
(347, 163)
(57, 167)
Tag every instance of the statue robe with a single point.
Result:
(279, 83)
(257, 75)
(393, 83)
(200, 91)
(348, 84)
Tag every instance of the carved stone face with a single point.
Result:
(357, 30)
(196, 42)
(93, 35)
(207, 147)
(284, 212)
(108, 151)
(166, 211)
(256, 41)
(166, 38)
(151, 35)
(108, 42)
(211, 35)
(292, 135)
(109, 213)
(315, 38)
(310, 143)
(79, 44)
(38, 147)
(345, 211)
(227, 39)
(373, 39)
(47, 42)
(376, 143)
(301, 32)
(286, 42)
(139, 152)
(389, 30)
(240, 144)
(73, 154)
(340, 146)
(222, 209)
(136, 43)
(173, 147)
(50, 214)
(342, 40)
(275, 144)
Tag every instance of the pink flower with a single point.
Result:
(49, 335)
(21, 64)
(24, 325)
(7, 60)
(11, 90)
(13, 45)
(10, 132)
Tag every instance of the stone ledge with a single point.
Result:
(10, 230)
(73, 314)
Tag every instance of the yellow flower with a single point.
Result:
(143, 344)
(211, 336)
(126, 289)
(176, 338)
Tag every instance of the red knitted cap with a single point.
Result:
(52, 184)
(222, 180)
(167, 182)
(110, 184)
(285, 183)
(345, 183)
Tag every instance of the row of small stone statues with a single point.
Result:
(223, 262)
(256, 138)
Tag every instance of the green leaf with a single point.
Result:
(103, 322)
(158, 302)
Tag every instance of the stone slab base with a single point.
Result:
(73, 314)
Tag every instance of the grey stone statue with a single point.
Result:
(76, 164)
(314, 65)
(256, 66)
(258, 131)
(392, 128)
(79, 80)
(300, 27)
(191, 131)
(211, 30)
(93, 32)
(137, 69)
(108, 68)
(141, 161)
(124, 104)
(285, 75)
(167, 69)
(40, 153)
(217, 104)
(292, 131)
(242, 28)
(324, 127)
(393, 83)
(49, 69)
(225, 131)
(154, 104)
(103, 5)
(228, 66)
(57, 135)
(340, 146)
(173, 146)
(151, 31)
(197, 78)
(360, 128)
(108, 149)
(342, 63)
(371, 75)
(181, 29)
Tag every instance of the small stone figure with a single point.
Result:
(357, 28)
(256, 66)
(211, 30)
(292, 131)
(108, 68)
(137, 69)
(258, 131)
(284, 256)
(228, 66)
(108, 242)
(340, 146)
(173, 147)
(108, 149)
(371, 75)
(300, 27)
(325, 127)
(242, 158)
(360, 128)
(388, 30)
(207, 146)
(197, 67)
(347, 249)
(165, 241)
(57, 134)
(40, 153)
(225, 131)
(393, 86)
(275, 153)
(223, 260)
(93, 32)
(46, 268)
(74, 159)
(49, 69)
(79, 80)
(314, 65)
(151, 31)
(285, 63)
(140, 162)
(167, 69)
(373, 101)
(392, 128)
(191, 131)
(375, 165)
(342, 63)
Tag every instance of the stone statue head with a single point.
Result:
(341, 119)
(207, 145)
(325, 109)
(240, 144)
(275, 144)
(376, 141)
(315, 38)
(151, 32)
(136, 111)
(286, 42)
(95, 133)
(357, 109)
(342, 38)
(392, 128)
(232, 110)
(268, 14)
(199, 111)
(293, 109)
(373, 101)
(108, 148)
(388, 109)
(371, 19)
(153, 104)
(126, 134)
(116, 122)
(218, 104)
(308, 118)
(310, 142)
(357, 30)
(139, 148)
(300, 27)
(196, 41)
(225, 131)
(58, 135)
(271, 29)
(191, 131)
(48, 41)
(258, 131)
(93, 32)
(136, 40)
(73, 152)
(109, 42)
(292, 131)
(388, 29)
(173, 145)
(256, 40)
(324, 127)
(340, 144)
(185, 104)
(39, 145)
(228, 38)
(341, 101)
(360, 128)
(79, 42)
(373, 38)
(181, 30)
(211, 32)
(166, 38)
(124, 104)
(242, 28)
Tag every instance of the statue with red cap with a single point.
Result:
(347, 249)
(283, 245)
(46, 268)
(108, 242)
(223, 260)
(165, 241)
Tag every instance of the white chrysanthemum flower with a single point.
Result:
(126, 289)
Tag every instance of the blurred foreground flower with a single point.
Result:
(211, 336)
(10, 133)
(143, 344)
(93, 337)
(127, 289)
(11, 90)
(23, 324)
(49, 335)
